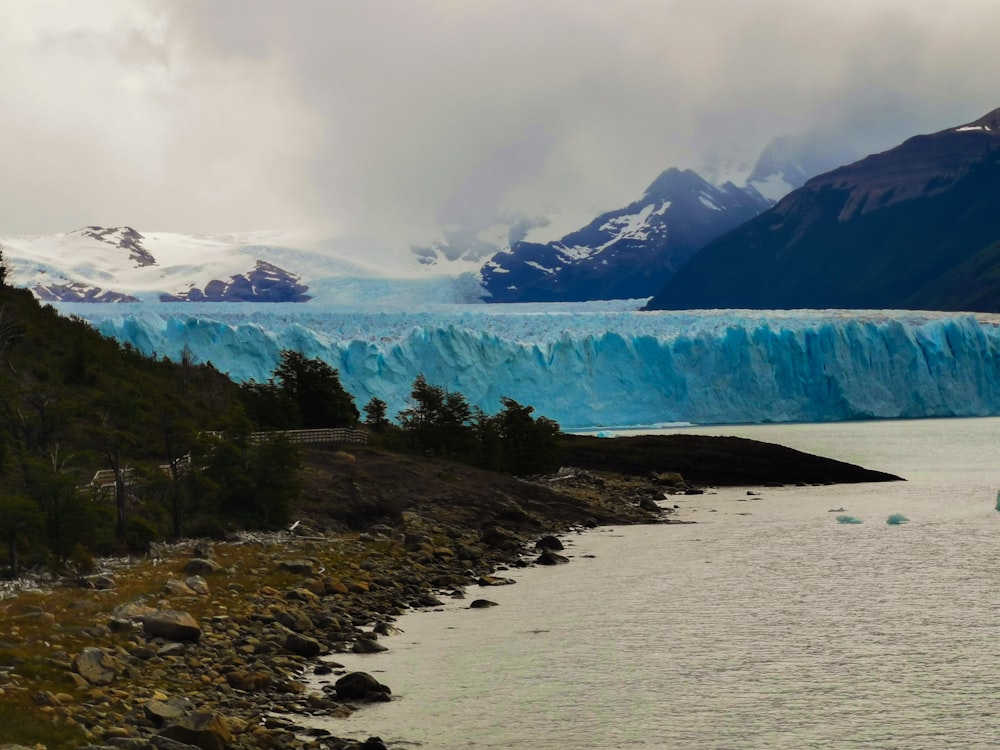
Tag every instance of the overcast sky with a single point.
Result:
(371, 117)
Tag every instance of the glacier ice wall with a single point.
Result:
(590, 366)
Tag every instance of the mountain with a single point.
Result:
(915, 227)
(789, 161)
(119, 264)
(623, 254)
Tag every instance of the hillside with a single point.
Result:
(914, 227)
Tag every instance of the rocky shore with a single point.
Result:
(211, 644)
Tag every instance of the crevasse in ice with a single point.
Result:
(599, 366)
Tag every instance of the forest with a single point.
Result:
(104, 450)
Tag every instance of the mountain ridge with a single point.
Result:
(891, 230)
(625, 253)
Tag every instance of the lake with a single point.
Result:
(764, 624)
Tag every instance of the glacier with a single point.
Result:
(603, 365)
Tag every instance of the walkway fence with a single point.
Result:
(104, 479)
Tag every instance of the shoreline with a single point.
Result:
(120, 672)
(212, 643)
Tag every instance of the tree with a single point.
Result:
(316, 388)
(527, 445)
(269, 406)
(375, 414)
(438, 421)
(20, 517)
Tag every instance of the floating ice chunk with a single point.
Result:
(896, 519)
(848, 519)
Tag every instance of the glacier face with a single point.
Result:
(604, 365)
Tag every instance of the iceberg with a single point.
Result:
(597, 366)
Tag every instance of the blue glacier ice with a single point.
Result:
(594, 366)
(897, 519)
(848, 519)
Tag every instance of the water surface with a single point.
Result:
(766, 624)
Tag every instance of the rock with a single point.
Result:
(299, 567)
(647, 503)
(356, 686)
(198, 584)
(249, 681)
(102, 582)
(201, 566)
(373, 743)
(385, 628)
(549, 542)
(429, 600)
(482, 604)
(97, 666)
(495, 581)
(302, 645)
(175, 587)
(367, 646)
(161, 712)
(668, 478)
(295, 620)
(172, 624)
(209, 731)
(501, 538)
(551, 558)
(203, 550)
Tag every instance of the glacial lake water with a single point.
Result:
(765, 624)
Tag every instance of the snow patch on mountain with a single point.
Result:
(120, 264)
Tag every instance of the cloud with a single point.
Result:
(390, 118)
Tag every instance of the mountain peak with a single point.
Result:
(989, 122)
(673, 180)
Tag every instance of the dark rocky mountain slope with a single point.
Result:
(915, 227)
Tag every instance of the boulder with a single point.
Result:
(172, 624)
(161, 712)
(302, 645)
(299, 567)
(201, 566)
(198, 584)
(175, 587)
(549, 542)
(649, 504)
(494, 581)
(429, 600)
(97, 666)
(367, 646)
(548, 557)
(482, 604)
(668, 478)
(209, 731)
(358, 686)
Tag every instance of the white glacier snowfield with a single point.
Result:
(604, 364)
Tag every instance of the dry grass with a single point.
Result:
(37, 653)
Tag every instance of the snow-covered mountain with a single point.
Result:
(628, 253)
(120, 264)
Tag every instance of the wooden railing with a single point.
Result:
(325, 436)
(104, 479)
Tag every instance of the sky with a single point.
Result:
(390, 118)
